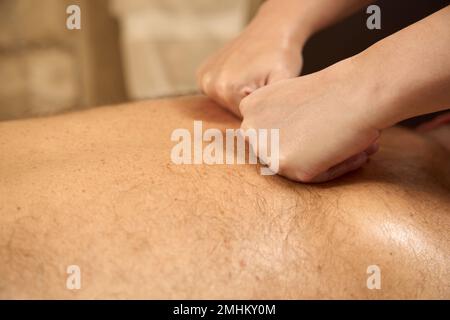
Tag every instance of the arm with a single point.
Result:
(269, 49)
(405, 75)
(408, 74)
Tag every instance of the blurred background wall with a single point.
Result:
(125, 50)
(45, 68)
(163, 42)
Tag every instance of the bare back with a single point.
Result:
(98, 189)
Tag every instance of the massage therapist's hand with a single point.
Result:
(330, 120)
(264, 53)
(269, 49)
(323, 130)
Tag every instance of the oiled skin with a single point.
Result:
(98, 189)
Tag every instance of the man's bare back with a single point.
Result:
(98, 189)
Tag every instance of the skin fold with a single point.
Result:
(98, 189)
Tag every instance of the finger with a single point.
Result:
(233, 105)
(206, 84)
(214, 89)
(435, 123)
(248, 90)
(230, 99)
(372, 149)
(236, 100)
(347, 166)
(245, 104)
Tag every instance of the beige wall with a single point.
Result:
(45, 68)
(165, 41)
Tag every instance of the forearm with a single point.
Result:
(300, 19)
(408, 73)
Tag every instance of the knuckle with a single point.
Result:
(245, 125)
(290, 170)
(304, 177)
(223, 85)
(245, 105)
(206, 79)
(311, 174)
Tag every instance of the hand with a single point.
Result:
(258, 57)
(324, 131)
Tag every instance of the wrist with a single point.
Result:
(377, 90)
(401, 78)
(282, 18)
(357, 93)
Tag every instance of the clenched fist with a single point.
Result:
(324, 131)
(263, 54)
